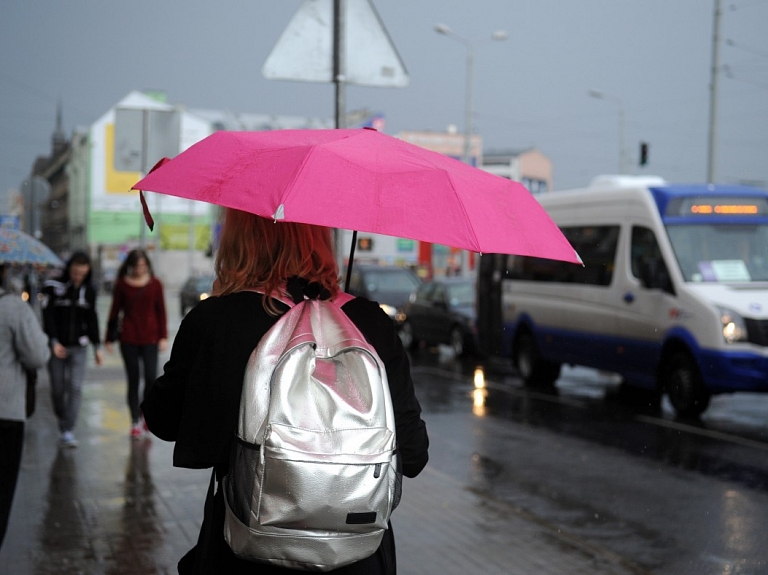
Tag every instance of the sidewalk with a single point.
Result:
(117, 506)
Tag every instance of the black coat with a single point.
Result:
(69, 313)
(196, 401)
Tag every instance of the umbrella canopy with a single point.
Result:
(363, 180)
(17, 247)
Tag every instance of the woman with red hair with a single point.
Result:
(196, 401)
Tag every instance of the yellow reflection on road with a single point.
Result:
(480, 393)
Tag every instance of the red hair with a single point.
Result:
(259, 253)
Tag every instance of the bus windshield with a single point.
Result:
(721, 253)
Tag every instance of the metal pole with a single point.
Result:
(466, 155)
(191, 237)
(467, 152)
(711, 148)
(32, 209)
(622, 141)
(623, 156)
(340, 110)
(338, 62)
(144, 168)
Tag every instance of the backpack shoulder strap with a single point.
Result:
(279, 297)
(342, 298)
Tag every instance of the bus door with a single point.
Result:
(647, 300)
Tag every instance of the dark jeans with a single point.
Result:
(11, 442)
(67, 375)
(132, 355)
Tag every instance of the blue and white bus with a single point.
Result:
(673, 294)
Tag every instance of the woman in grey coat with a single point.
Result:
(23, 345)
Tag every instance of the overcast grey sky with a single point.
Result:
(531, 90)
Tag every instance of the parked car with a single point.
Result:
(390, 286)
(195, 289)
(441, 311)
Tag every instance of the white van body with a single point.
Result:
(667, 297)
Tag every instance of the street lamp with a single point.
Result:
(622, 126)
(499, 35)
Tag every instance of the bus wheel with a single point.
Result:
(682, 382)
(535, 371)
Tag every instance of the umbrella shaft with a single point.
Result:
(351, 258)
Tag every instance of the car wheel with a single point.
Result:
(535, 371)
(682, 382)
(407, 338)
(456, 340)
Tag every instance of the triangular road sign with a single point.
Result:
(304, 51)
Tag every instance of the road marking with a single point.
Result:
(506, 388)
(702, 432)
(438, 372)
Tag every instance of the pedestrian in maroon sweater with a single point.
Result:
(137, 319)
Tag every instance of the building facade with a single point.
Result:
(530, 167)
(92, 206)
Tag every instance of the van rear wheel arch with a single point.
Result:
(535, 371)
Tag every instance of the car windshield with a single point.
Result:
(462, 294)
(391, 281)
(721, 253)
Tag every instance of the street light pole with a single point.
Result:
(712, 139)
(499, 35)
(622, 126)
(466, 153)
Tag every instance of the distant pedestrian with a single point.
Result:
(70, 320)
(137, 320)
(23, 346)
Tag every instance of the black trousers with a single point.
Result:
(11, 443)
(132, 356)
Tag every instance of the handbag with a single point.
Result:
(31, 391)
(114, 329)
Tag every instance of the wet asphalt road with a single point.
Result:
(672, 496)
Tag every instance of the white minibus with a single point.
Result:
(673, 294)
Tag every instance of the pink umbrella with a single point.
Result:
(362, 180)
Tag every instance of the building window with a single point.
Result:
(535, 186)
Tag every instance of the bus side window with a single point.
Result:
(597, 247)
(647, 263)
(595, 244)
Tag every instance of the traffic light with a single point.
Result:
(643, 153)
(365, 244)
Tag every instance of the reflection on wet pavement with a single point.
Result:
(98, 509)
(607, 463)
(619, 416)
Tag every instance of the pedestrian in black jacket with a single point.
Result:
(195, 402)
(70, 320)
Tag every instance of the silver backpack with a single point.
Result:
(314, 473)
